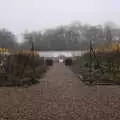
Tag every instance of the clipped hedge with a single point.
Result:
(49, 62)
(68, 61)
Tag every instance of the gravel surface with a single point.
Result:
(60, 96)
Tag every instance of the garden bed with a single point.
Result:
(22, 70)
(104, 69)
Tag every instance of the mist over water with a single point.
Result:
(60, 53)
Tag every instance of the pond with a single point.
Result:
(61, 53)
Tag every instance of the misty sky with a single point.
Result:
(18, 15)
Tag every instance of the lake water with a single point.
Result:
(61, 53)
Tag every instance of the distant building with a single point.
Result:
(116, 38)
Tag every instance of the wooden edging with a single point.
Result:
(80, 78)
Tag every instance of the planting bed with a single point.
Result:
(20, 70)
(104, 68)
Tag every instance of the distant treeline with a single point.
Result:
(70, 37)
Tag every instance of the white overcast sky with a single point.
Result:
(18, 15)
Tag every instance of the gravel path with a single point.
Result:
(60, 96)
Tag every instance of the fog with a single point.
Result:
(21, 15)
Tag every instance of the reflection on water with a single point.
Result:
(60, 53)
